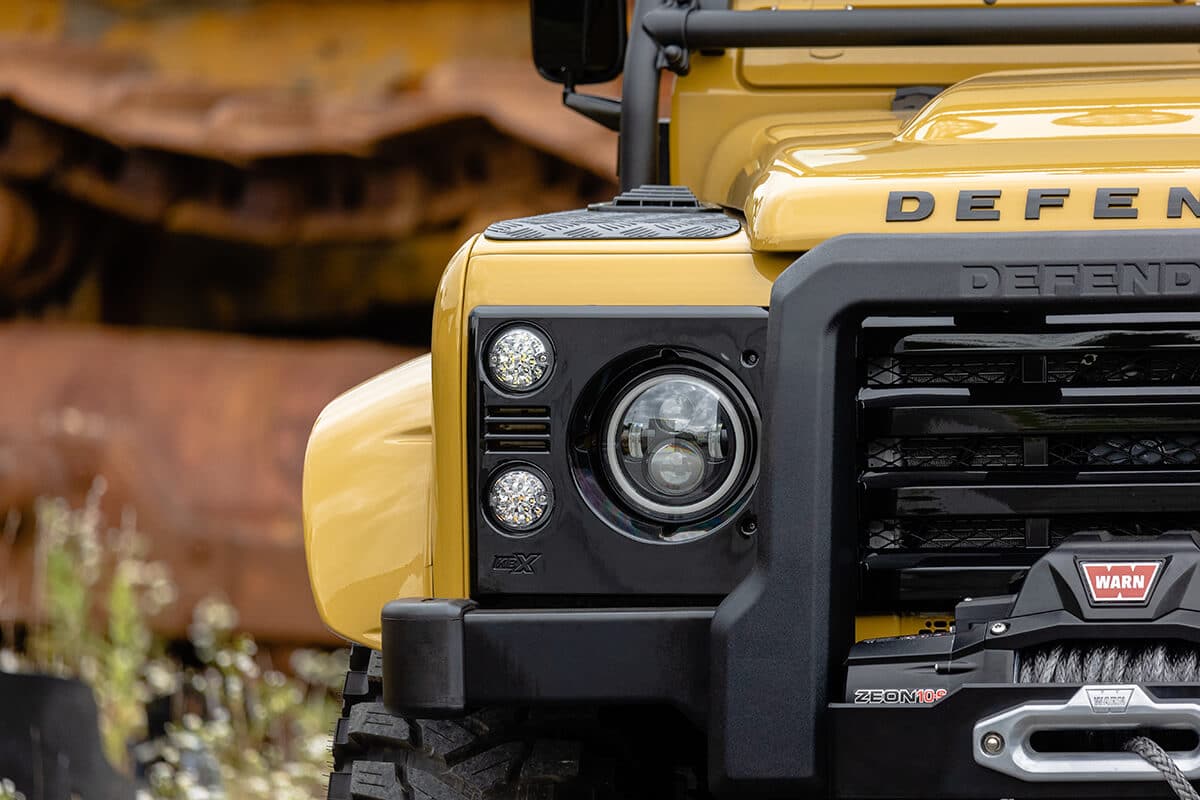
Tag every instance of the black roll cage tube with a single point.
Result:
(665, 31)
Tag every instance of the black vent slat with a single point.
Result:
(1042, 500)
(1100, 369)
(981, 533)
(975, 534)
(1123, 525)
(517, 429)
(1012, 452)
(1041, 418)
(895, 536)
(945, 336)
(951, 452)
(1149, 450)
(1083, 368)
(984, 441)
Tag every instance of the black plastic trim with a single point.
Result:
(444, 657)
(423, 651)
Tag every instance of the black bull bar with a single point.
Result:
(780, 639)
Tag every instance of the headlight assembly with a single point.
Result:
(676, 446)
(611, 451)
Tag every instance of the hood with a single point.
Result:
(1014, 151)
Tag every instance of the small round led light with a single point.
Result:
(520, 358)
(520, 498)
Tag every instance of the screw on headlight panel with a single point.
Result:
(520, 499)
(992, 743)
(520, 358)
(999, 628)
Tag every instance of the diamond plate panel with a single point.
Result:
(616, 225)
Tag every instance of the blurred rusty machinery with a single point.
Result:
(201, 435)
(298, 168)
(89, 132)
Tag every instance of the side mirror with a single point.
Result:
(578, 41)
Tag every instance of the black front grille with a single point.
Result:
(984, 442)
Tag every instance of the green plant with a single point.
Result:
(239, 727)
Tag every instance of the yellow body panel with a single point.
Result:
(804, 142)
(366, 499)
(886, 626)
(448, 520)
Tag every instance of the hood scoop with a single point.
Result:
(1009, 152)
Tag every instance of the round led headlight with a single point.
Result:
(677, 447)
(520, 498)
(520, 358)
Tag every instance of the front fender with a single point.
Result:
(366, 500)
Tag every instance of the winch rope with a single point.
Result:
(1161, 760)
(1111, 663)
(1136, 662)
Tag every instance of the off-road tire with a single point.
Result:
(499, 754)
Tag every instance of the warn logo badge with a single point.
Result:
(1120, 581)
(1109, 699)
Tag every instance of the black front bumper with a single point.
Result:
(766, 670)
(445, 657)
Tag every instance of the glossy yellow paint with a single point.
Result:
(366, 500)
(885, 626)
(1080, 131)
(448, 520)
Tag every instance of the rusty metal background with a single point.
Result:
(202, 435)
(275, 167)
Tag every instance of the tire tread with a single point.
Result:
(495, 754)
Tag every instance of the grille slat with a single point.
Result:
(951, 418)
(973, 534)
(1009, 452)
(1180, 368)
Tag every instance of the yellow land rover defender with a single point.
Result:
(852, 451)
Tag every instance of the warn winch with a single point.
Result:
(1099, 647)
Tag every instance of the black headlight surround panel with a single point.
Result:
(575, 553)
